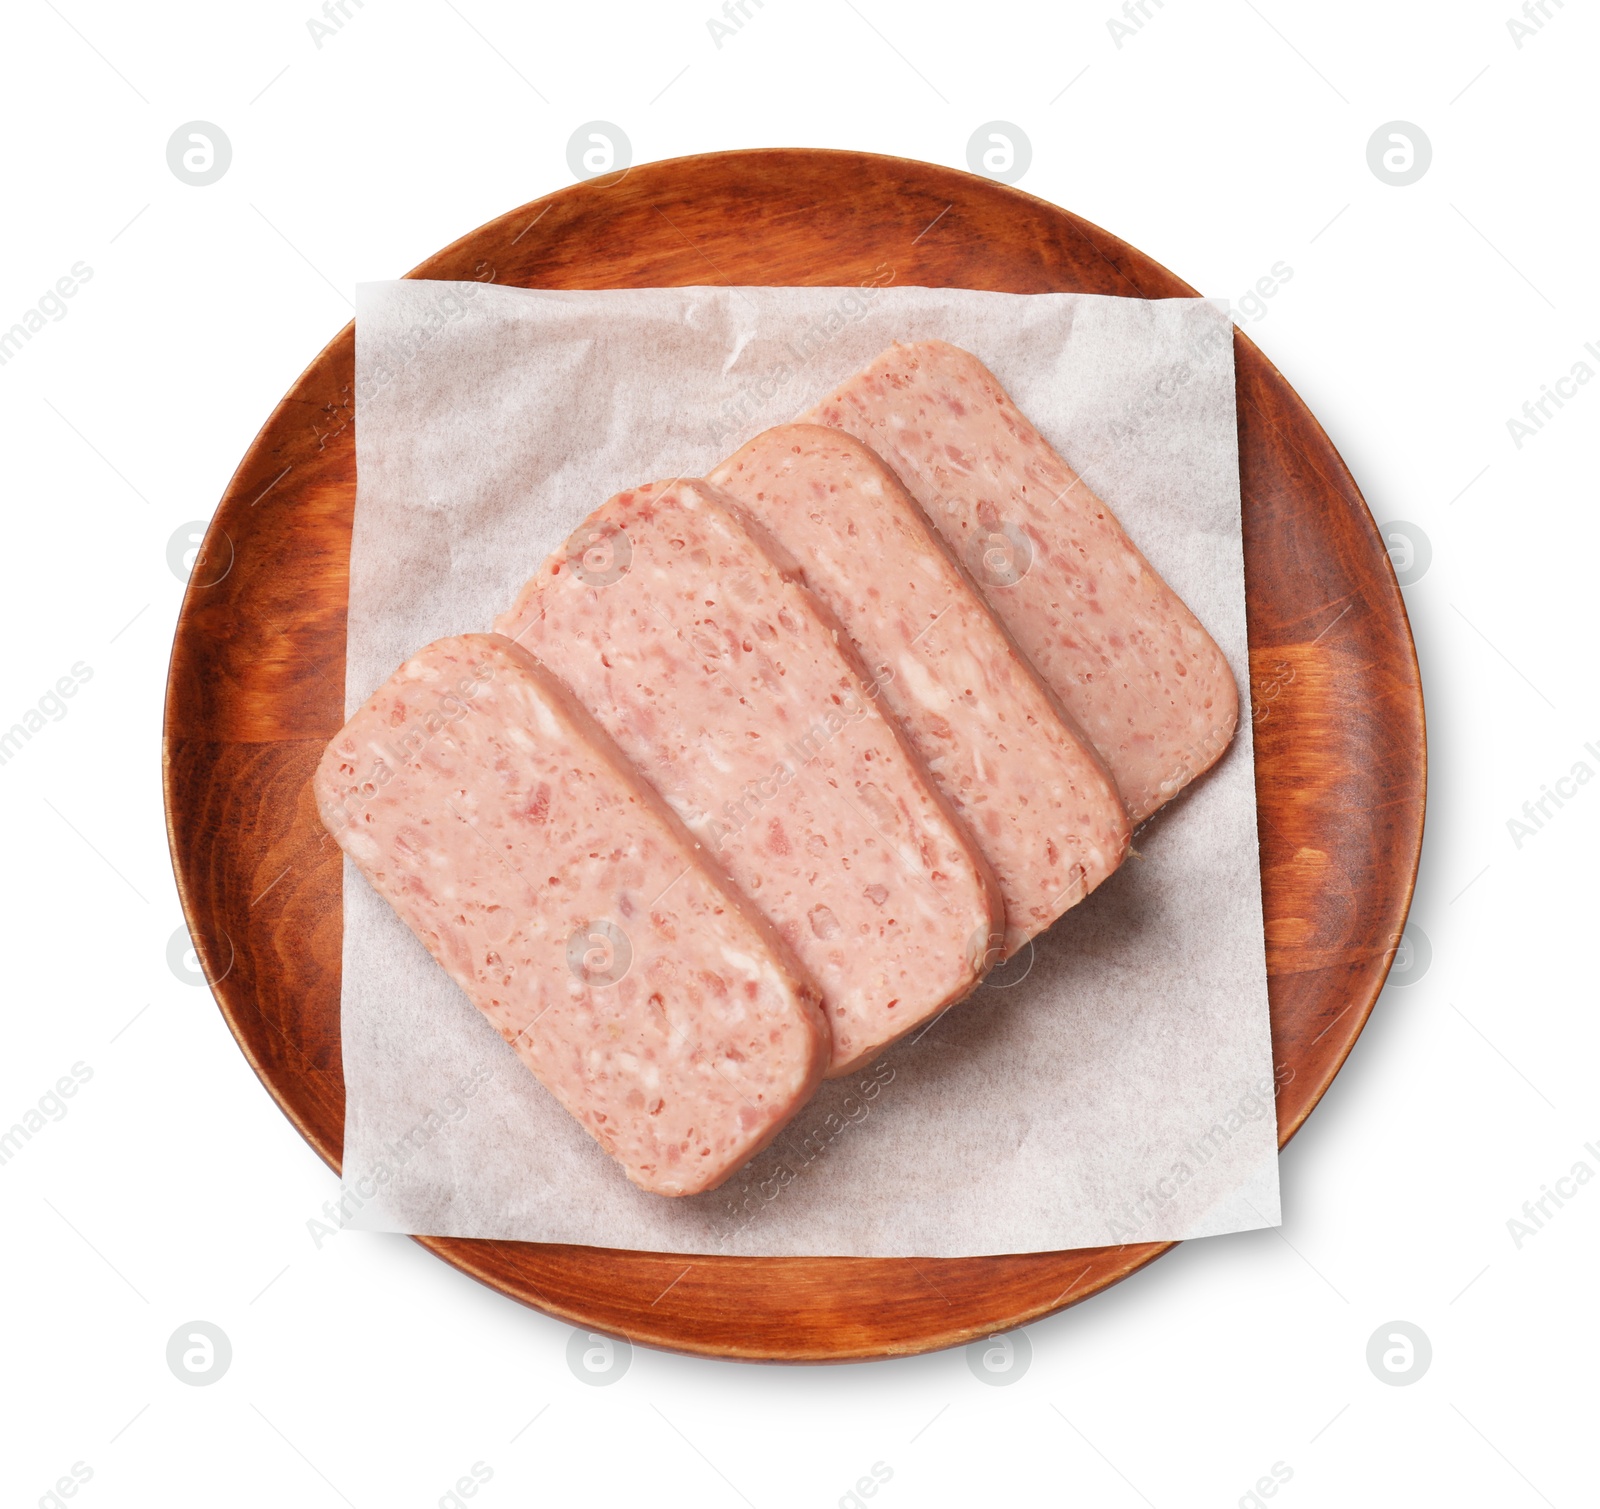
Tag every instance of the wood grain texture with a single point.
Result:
(256, 688)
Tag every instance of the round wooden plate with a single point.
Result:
(256, 689)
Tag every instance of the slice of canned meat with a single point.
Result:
(572, 907)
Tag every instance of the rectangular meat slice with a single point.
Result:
(1128, 660)
(559, 892)
(1040, 802)
(735, 692)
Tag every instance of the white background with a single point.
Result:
(1221, 138)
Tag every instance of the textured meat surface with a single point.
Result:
(1039, 801)
(506, 829)
(1128, 660)
(728, 684)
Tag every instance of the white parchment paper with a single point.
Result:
(1117, 1087)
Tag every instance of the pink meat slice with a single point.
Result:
(697, 646)
(1037, 798)
(561, 894)
(1128, 660)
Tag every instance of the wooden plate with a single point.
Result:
(256, 687)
